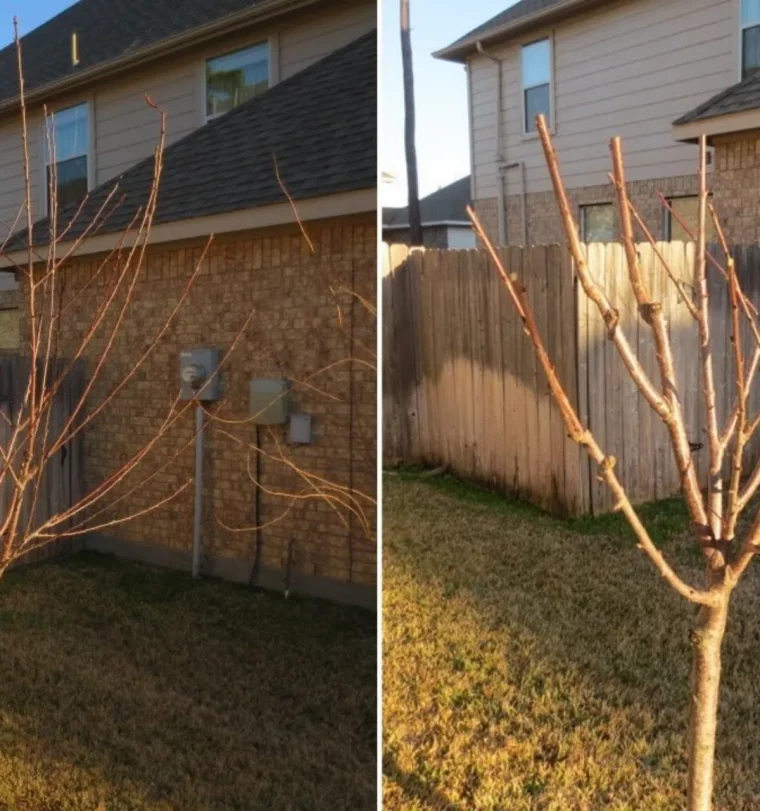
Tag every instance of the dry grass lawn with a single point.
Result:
(533, 663)
(124, 687)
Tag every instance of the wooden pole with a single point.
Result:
(415, 222)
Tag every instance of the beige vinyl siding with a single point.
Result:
(628, 68)
(125, 129)
(12, 174)
(307, 42)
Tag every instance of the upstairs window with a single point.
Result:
(536, 83)
(597, 223)
(236, 77)
(68, 133)
(750, 37)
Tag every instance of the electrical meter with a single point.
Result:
(198, 374)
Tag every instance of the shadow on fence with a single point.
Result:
(462, 387)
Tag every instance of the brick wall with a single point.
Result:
(294, 333)
(543, 222)
(736, 186)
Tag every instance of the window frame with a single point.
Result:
(272, 44)
(90, 154)
(584, 207)
(740, 47)
(548, 37)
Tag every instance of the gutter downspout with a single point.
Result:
(503, 169)
(500, 156)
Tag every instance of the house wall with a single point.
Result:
(9, 319)
(295, 333)
(543, 223)
(627, 68)
(735, 186)
(433, 236)
(125, 129)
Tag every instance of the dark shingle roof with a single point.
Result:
(445, 205)
(744, 95)
(106, 30)
(321, 125)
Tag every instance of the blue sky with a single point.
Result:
(30, 13)
(440, 93)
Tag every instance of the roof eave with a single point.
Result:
(715, 126)
(230, 23)
(460, 51)
(318, 207)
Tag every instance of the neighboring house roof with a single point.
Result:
(320, 125)
(108, 31)
(744, 95)
(447, 205)
(520, 17)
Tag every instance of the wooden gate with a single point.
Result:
(61, 484)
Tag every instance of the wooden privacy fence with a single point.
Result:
(462, 387)
(61, 484)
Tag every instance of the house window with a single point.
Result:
(67, 147)
(536, 82)
(597, 223)
(750, 37)
(236, 77)
(686, 209)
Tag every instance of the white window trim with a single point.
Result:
(91, 169)
(740, 44)
(549, 35)
(273, 44)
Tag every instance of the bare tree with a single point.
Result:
(34, 436)
(415, 220)
(715, 513)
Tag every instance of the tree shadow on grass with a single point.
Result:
(416, 788)
(126, 687)
(570, 648)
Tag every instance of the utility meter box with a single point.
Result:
(269, 400)
(197, 376)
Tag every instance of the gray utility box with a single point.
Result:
(300, 429)
(197, 376)
(270, 401)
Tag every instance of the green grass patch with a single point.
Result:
(538, 663)
(125, 687)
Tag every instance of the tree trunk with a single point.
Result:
(706, 642)
(415, 222)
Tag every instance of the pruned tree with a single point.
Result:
(715, 513)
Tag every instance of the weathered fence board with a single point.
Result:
(462, 386)
(61, 485)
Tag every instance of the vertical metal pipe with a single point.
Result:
(501, 157)
(198, 490)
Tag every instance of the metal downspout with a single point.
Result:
(500, 156)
